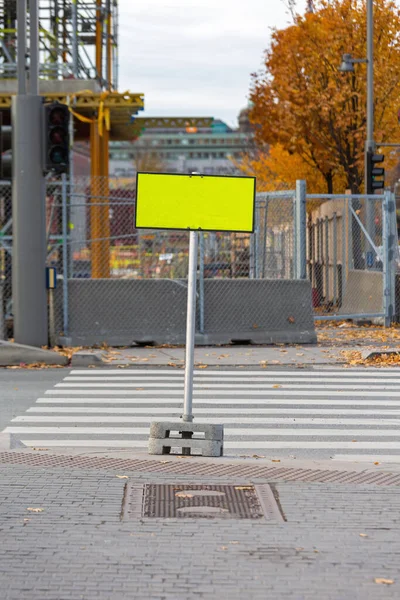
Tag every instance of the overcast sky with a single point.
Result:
(194, 57)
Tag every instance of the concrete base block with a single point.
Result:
(211, 443)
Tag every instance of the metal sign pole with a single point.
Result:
(190, 328)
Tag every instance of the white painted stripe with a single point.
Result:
(368, 457)
(239, 419)
(233, 386)
(48, 443)
(215, 410)
(221, 401)
(234, 431)
(240, 372)
(218, 392)
(222, 380)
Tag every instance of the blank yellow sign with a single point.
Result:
(206, 202)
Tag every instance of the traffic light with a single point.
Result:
(56, 137)
(373, 172)
(5, 150)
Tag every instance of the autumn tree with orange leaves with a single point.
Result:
(311, 114)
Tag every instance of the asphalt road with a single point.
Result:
(334, 413)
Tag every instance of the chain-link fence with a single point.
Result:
(352, 253)
(343, 244)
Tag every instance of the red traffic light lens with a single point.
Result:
(57, 116)
(57, 135)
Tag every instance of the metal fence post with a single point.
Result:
(344, 245)
(334, 235)
(300, 225)
(252, 263)
(326, 258)
(65, 253)
(388, 209)
(201, 282)
(2, 328)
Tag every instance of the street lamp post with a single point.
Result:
(347, 66)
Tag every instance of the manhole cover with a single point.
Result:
(200, 501)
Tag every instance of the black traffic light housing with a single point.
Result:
(5, 150)
(56, 137)
(373, 172)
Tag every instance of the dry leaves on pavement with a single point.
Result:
(384, 581)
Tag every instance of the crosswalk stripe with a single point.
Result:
(375, 446)
(205, 401)
(256, 380)
(155, 411)
(367, 457)
(375, 373)
(239, 419)
(225, 392)
(251, 432)
(228, 386)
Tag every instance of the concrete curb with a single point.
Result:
(12, 354)
(87, 359)
(8, 441)
(374, 353)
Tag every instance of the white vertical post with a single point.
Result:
(300, 227)
(190, 328)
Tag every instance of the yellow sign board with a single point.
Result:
(195, 202)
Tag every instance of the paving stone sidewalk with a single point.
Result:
(336, 540)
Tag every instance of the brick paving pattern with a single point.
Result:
(78, 547)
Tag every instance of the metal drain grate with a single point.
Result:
(200, 501)
(203, 469)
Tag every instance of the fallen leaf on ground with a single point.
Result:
(201, 366)
(276, 386)
(363, 535)
(291, 319)
(382, 580)
(35, 510)
(376, 463)
(243, 487)
(122, 476)
(275, 460)
(224, 547)
(183, 495)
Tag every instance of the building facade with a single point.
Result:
(212, 150)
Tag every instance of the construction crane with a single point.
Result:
(78, 65)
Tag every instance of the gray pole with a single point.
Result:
(74, 8)
(190, 328)
(21, 50)
(28, 197)
(370, 144)
(34, 48)
(300, 230)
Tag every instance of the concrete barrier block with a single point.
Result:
(125, 312)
